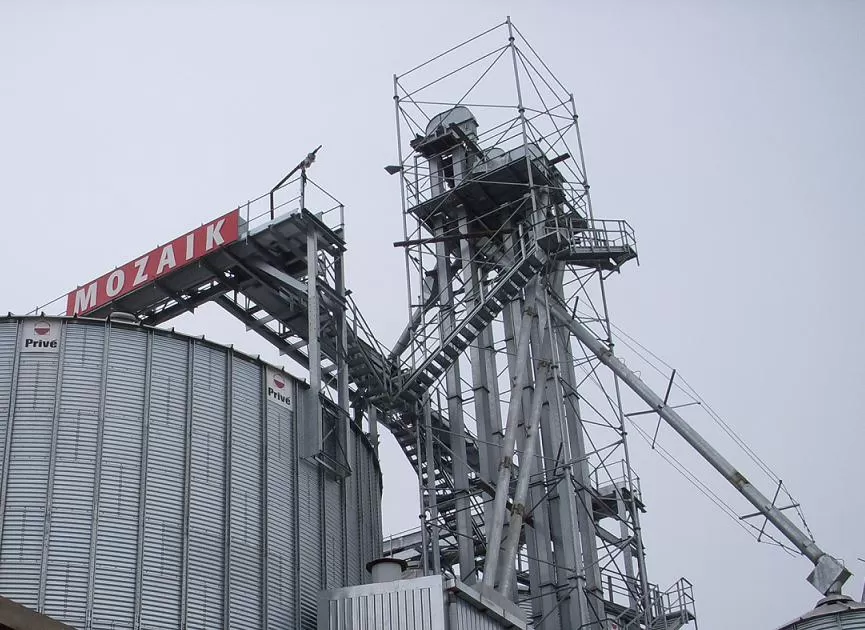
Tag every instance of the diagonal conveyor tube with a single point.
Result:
(829, 573)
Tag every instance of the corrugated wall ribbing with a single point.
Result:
(371, 513)
(246, 475)
(207, 487)
(112, 542)
(375, 507)
(310, 546)
(334, 542)
(163, 523)
(26, 487)
(353, 544)
(281, 507)
(119, 481)
(74, 471)
(8, 341)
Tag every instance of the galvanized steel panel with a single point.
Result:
(352, 521)
(163, 522)
(418, 604)
(119, 479)
(281, 512)
(470, 618)
(246, 481)
(310, 535)
(27, 483)
(67, 578)
(845, 620)
(8, 341)
(205, 581)
(119, 455)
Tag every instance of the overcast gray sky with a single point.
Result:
(729, 134)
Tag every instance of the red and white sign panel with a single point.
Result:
(40, 335)
(279, 389)
(153, 265)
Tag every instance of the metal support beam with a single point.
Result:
(485, 386)
(568, 411)
(542, 586)
(509, 555)
(561, 501)
(453, 388)
(314, 330)
(509, 442)
(432, 498)
(829, 573)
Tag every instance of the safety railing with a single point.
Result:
(599, 236)
(616, 475)
(669, 609)
(676, 605)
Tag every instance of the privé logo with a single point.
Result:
(277, 391)
(42, 330)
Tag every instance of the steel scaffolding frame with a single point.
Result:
(481, 207)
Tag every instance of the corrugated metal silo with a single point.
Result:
(832, 613)
(154, 480)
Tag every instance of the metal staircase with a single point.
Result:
(506, 289)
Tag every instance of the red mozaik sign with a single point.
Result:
(153, 265)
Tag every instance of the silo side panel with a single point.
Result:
(8, 343)
(281, 505)
(8, 340)
(119, 480)
(363, 516)
(352, 573)
(246, 562)
(333, 535)
(310, 542)
(372, 540)
(26, 487)
(375, 507)
(207, 487)
(163, 526)
(74, 472)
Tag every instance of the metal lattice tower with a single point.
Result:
(499, 229)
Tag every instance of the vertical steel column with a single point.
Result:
(508, 568)
(342, 392)
(453, 386)
(314, 332)
(542, 583)
(421, 461)
(574, 438)
(49, 495)
(529, 319)
(484, 375)
(432, 497)
(561, 501)
(402, 198)
(373, 427)
(645, 592)
(342, 398)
